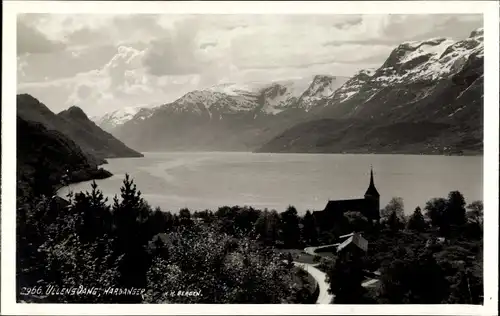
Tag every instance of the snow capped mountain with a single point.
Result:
(429, 60)
(120, 117)
(257, 98)
(427, 97)
(320, 90)
(352, 86)
(281, 95)
(276, 98)
(209, 101)
(409, 63)
(236, 89)
(228, 116)
(230, 98)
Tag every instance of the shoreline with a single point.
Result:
(94, 174)
(301, 153)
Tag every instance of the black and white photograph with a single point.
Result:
(304, 158)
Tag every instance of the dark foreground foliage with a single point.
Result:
(437, 260)
(229, 256)
(175, 258)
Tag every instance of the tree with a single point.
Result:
(290, 227)
(309, 229)
(129, 212)
(455, 209)
(224, 269)
(267, 227)
(345, 277)
(53, 250)
(460, 289)
(96, 214)
(357, 221)
(185, 217)
(245, 219)
(475, 212)
(395, 205)
(394, 222)
(412, 277)
(474, 226)
(435, 209)
(159, 222)
(61, 244)
(130, 216)
(417, 221)
(42, 182)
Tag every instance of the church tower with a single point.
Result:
(373, 198)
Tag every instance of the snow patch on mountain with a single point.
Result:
(429, 60)
(321, 89)
(121, 116)
(269, 98)
(234, 89)
(435, 48)
(281, 95)
(411, 62)
(352, 86)
(201, 101)
(117, 117)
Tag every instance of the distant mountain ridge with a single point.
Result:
(52, 146)
(118, 117)
(428, 93)
(268, 98)
(45, 156)
(426, 98)
(75, 124)
(226, 117)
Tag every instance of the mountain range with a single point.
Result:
(426, 98)
(223, 117)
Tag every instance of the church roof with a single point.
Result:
(372, 191)
(357, 205)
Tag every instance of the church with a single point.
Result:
(369, 206)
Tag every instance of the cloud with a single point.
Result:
(207, 45)
(32, 41)
(420, 27)
(86, 36)
(112, 61)
(122, 81)
(176, 52)
(39, 66)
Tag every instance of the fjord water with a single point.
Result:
(208, 180)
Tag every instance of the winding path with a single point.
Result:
(324, 297)
(312, 250)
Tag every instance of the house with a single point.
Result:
(354, 240)
(355, 245)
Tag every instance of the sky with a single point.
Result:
(102, 63)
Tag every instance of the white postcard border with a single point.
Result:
(490, 11)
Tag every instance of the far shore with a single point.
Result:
(305, 153)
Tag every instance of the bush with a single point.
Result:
(88, 242)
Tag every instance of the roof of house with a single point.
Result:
(347, 235)
(355, 239)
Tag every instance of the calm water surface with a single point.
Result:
(208, 180)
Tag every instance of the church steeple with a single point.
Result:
(372, 191)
